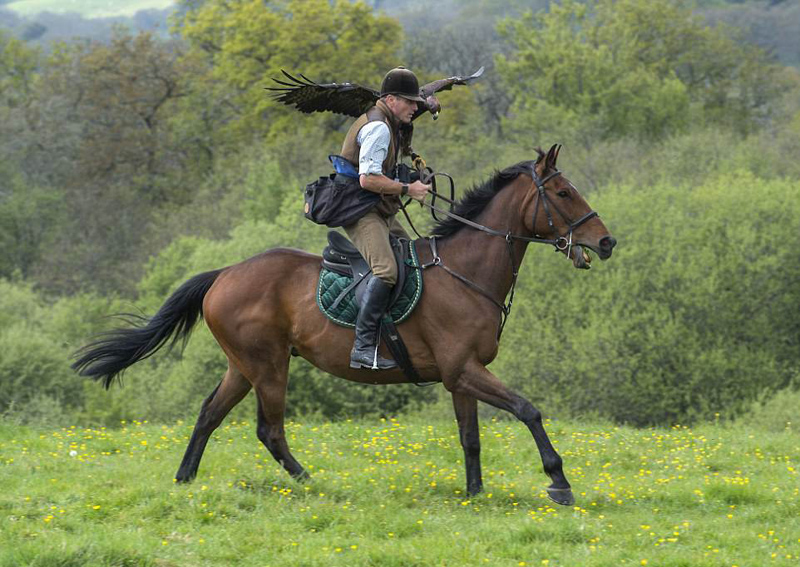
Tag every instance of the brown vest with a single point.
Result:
(389, 204)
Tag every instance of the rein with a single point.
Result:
(561, 244)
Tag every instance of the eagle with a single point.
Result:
(351, 99)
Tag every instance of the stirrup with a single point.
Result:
(378, 362)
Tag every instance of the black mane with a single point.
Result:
(477, 198)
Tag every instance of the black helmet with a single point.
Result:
(401, 82)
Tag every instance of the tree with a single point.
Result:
(117, 98)
(30, 216)
(237, 46)
(101, 132)
(613, 68)
(18, 76)
(17, 65)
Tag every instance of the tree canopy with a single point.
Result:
(237, 46)
(612, 68)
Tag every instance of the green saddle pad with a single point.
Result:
(331, 285)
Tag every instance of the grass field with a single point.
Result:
(390, 493)
(87, 8)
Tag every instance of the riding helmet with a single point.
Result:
(401, 82)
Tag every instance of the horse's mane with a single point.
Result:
(478, 197)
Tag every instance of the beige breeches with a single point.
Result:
(370, 234)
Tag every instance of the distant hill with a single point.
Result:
(63, 24)
(772, 24)
(85, 8)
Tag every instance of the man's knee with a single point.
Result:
(386, 273)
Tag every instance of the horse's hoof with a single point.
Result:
(561, 496)
(302, 476)
(184, 478)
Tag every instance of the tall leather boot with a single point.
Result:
(365, 349)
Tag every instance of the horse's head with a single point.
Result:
(557, 211)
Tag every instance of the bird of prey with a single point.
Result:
(352, 99)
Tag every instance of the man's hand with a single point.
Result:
(418, 191)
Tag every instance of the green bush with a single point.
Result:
(37, 339)
(34, 365)
(775, 413)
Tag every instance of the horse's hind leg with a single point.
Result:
(466, 408)
(225, 396)
(271, 396)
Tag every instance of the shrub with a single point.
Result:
(775, 413)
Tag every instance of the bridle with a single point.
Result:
(561, 243)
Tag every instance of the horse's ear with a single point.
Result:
(555, 155)
(540, 154)
(550, 160)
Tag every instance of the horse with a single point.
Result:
(262, 311)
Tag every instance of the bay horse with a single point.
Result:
(263, 310)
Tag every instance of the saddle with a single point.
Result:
(341, 257)
(342, 282)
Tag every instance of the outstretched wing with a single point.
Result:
(429, 90)
(307, 96)
(447, 84)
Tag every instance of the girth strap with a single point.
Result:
(394, 342)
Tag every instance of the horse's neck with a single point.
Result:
(483, 258)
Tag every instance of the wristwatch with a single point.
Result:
(404, 190)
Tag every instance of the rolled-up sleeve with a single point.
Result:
(374, 140)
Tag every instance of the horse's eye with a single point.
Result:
(563, 193)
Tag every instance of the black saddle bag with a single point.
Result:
(337, 200)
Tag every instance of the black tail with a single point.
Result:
(116, 350)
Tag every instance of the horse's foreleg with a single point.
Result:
(466, 408)
(479, 383)
(227, 394)
(271, 395)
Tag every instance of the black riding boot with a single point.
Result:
(373, 306)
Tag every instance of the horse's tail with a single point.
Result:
(116, 350)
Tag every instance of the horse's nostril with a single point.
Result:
(608, 242)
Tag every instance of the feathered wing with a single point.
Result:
(447, 84)
(430, 89)
(307, 96)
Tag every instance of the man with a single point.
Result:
(373, 142)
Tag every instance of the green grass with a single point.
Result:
(87, 8)
(390, 493)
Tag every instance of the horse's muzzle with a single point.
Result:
(607, 244)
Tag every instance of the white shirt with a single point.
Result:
(374, 139)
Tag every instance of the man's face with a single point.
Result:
(402, 108)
